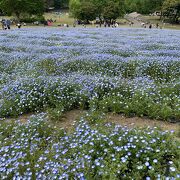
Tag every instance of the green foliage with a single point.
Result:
(47, 65)
(89, 10)
(94, 150)
(55, 114)
(143, 6)
(171, 10)
(154, 105)
(83, 10)
(48, 4)
(162, 73)
(162, 102)
(20, 7)
(113, 9)
(95, 117)
(32, 19)
(58, 4)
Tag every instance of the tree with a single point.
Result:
(143, 6)
(171, 10)
(58, 4)
(19, 7)
(90, 9)
(48, 4)
(113, 10)
(100, 4)
(84, 10)
(75, 6)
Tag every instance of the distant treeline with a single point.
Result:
(91, 9)
(112, 9)
(56, 4)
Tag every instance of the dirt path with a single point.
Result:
(69, 118)
(136, 18)
(141, 122)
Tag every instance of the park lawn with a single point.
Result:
(156, 19)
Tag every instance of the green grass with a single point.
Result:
(156, 19)
(65, 18)
(62, 18)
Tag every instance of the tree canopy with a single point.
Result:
(143, 6)
(19, 7)
(90, 9)
(58, 4)
(171, 9)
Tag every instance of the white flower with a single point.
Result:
(139, 167)
(172, 169)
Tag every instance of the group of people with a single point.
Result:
(6, 24)
(48, 22)
(145, 25)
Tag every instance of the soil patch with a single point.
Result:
(141, 122)
(69, 119)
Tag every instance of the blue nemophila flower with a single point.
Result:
(131, 71)
(99, 66)
(123, 159)
(155, 160)
(147, 164)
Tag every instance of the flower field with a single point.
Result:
(135, 72)
(129, 71)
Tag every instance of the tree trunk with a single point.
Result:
(161, 15)
(18, 16)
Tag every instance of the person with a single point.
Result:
(8, 23)
(18, 25)
(116, 24)
(150, 26)
(4, 24)
(142, 24)
(49, 23)
(157, 25)
(23, 23)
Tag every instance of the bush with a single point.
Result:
(40, 19)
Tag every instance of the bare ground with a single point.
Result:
(69, 118)
(141, 122)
